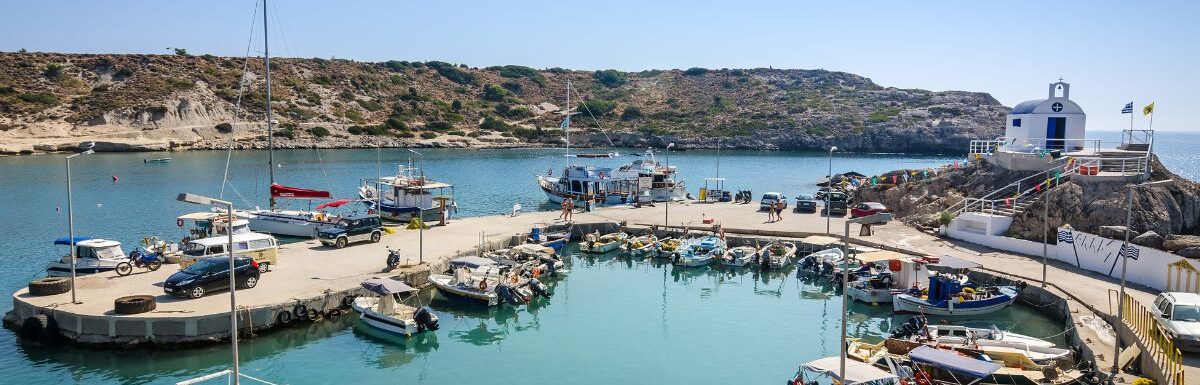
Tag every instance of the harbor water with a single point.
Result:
(612, 319)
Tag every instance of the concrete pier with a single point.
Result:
(320, 277)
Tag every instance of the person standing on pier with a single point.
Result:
(563, 212)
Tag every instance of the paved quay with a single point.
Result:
(308, 273)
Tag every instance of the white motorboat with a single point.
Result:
(700, 251)
(964, 335)
(641, 246)
(599, 244)
(822, 262)
(873, 290)
(92, 255)
(463, 284)
(409, 194)
(384, 312)
(777, 254)
(739, 256)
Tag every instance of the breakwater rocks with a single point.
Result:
(1171, 212)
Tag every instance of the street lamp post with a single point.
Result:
(829, 185)
(667, 208)
(71, 221)
(421, 215)
(233, 329)
(1125, 263)
(1045, 230)
(873, 219)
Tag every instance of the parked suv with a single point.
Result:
(769, 199)
(353, 229)
(1179, 315)
(837, 203)
(211, 274)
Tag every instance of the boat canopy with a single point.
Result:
(951, 262)
(856, 372)
(882, 255)
(386, 286)
(67, 240)
(471, 262)
(281, 191)
(336, 203)
(951, 361)
(819, 240)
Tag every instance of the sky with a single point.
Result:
(1111, 52)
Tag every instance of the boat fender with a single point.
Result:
(483, 284)
(335, 313)
(537, 271)
(40, 328)
(347, 301)
(179, 222)
(1022, 284)
(513, 278)
(300, 312)
(283, 318)
(315, 316)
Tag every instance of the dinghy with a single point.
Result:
(383, 312)
(600, 244)
(700, 251)
(777, 254)
(641, 246)
(739, 256)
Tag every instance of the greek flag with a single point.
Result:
(1131, 250)
(1065, 236)
(566, 123)
(1128, 108)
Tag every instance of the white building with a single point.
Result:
(1054, 123)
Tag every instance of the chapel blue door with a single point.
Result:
(1056, 131)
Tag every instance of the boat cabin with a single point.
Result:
(211, 224)
(408, 194)
(92, 255)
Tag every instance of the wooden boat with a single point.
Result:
(641, 246)
(739, 256)
(668, 246)
(157, 160)
(599, 244)
(948, 297)
(777, 254)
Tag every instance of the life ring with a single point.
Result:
(513, 278)
(179, 222)
(483, 285)
(537, 271)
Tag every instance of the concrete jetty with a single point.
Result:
(320, 277)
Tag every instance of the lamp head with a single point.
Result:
(193, 198)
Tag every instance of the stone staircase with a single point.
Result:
(1015, 197)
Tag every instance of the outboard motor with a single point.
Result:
(507, 294)
(806, 263)
(538, 288)
(425, 319)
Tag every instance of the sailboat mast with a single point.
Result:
(270, 131)
(567, 127)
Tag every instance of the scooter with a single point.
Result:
(139, 258)
(393, 259)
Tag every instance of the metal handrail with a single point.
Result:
(967, 202)
(1147, 329)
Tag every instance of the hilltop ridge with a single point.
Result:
(51, 101)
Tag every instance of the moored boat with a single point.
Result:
(700, 251)
(777, 254)
(292, 223)
(409, 194)
(947, 297)
(382, 311)
(739, 256)
(641, 246)
(599, 244)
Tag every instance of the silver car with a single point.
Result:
(1179, 315)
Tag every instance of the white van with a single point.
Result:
(262, 247)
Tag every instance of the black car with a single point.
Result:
(837, 203)
(805, 204)
(211, 274)
(354, 229)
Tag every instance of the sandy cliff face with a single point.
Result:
(62, 99)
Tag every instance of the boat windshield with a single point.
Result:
(199, 268)
(1186, 313)
(107, 252)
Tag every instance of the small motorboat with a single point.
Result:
(641, 246)
(950, 297)
(700, 251)
(668, 246)
(739, 256)
(599, 244)
(92, 255)
(462, 284)
(535, 259)
(382, 311)
(875, 289)
(777, 254)
(156, 160)
(822, 262)
(856, 372)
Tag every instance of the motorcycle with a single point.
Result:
(139, 258)
(393, 259)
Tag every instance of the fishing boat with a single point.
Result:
(92, 255)
(595, 243)
(822, 263)
(700, 251)
(641, 246)
(657, 179)
(668, 246)
(883, 274)
(949, 297)
(532, 258)
(777, 254)
(382, 311)
(739, 256)
(856, 373)
(157, 160)
(408, 194)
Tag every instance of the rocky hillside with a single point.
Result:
(1170, 210)
(178, 101)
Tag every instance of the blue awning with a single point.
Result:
(951, 361)
(67, 240)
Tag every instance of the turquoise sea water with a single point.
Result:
(611, 320)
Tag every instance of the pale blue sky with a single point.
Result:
(1111, 52)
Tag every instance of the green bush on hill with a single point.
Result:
(225, 128)
(452, 73)
(492, 92)
(631, 113)
(285, 133)
(516, 71)
(695, 71)
(43, 98)
(319, 132)
(609, 78)
(596, 107)
(438, 125)
(428, 135)
(491, 123)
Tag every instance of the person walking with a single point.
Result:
(562, 214)
(778, 210)
(570, 209)
(771, 214)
